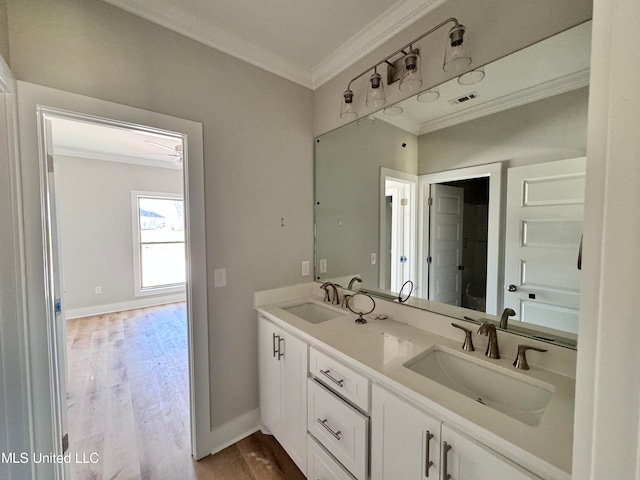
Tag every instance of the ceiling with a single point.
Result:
(306, 41)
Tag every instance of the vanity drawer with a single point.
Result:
(321, 465)
(341, 379)
(340, 428)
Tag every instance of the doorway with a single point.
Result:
(94, 167)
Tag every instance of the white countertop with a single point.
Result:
(381, 347)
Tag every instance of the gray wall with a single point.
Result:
(494, 29)
(551, 129)
(4, 31)
(258, 146)
(94, 202)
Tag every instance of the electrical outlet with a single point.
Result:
(323, 265)
(305, 268)
(373, 259)
(98, 290)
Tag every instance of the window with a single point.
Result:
(159, 249)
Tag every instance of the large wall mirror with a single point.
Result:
(472, 191)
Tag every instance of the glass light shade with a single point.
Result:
(375, 92)
(429, 95)
(347, 111)
(474, 76)
(411, 79)
(457, 55)
(392, 110)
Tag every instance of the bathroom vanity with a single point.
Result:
(349, 401)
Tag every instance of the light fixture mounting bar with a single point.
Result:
(408, 45)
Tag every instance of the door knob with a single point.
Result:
(512, 288)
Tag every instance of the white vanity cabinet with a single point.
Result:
(283, 361)
(410, 444)
(405, 442)
(468, 460)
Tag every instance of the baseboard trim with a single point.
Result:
(121, 306)
(235, 430)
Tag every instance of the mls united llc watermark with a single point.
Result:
(53, 458)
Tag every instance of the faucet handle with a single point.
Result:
(521, 359)
(468, 342)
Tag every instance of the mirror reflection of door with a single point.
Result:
(397, 229)
(545, 209)
(457, 243)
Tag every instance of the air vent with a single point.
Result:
(464, 98)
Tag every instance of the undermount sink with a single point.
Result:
(511, 393)
(312, 312)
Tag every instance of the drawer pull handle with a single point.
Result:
(445, 452)
(324, 424)
(334, 380)
(427, 461)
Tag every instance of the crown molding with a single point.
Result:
(111, 157)
(221, 39)
(372, 36)
(375, 34)
(551, 88)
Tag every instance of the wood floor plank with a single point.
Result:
(128, 401)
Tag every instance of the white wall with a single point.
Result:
(258, 146)
(4, 31)
(551, 129)
(94, 203)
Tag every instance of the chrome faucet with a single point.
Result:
(336, 296)
(354, 280)
(508, 312)
(488, 328)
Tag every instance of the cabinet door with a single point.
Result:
(269, 370)
(468, 460)
(294, 368)
(405, 442)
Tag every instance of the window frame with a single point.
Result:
(138, 290)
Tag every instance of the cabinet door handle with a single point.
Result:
(333, 379)
(324, 424)
(275, 350)
(280, 350)
(428, 463)
(445, 453)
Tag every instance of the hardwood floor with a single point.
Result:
(128, 401)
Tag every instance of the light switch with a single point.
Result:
(323, 265)
(305, 268)
(220, 277)
(373, 259)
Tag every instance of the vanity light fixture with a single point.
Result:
(392, 110)
(406, 68)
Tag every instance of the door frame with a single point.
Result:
(43, 384)
(495, 248)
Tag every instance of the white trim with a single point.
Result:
(146, 162)
(373, 35)
(29, 97)
(495, 243)
(235, 430)
(14, 329)
(138, 291)
(122, 306)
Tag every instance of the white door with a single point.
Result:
(55, 316)
(405, 442)
(464, 459)
(445, 244)
(269, 375)
(545, 204)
